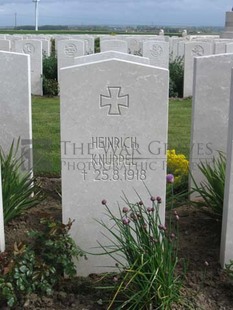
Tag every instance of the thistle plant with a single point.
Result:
(212, 189)
(145, 252)
(19, 190)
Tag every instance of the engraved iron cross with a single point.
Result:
(114, 100)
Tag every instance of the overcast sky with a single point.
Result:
(116, 12)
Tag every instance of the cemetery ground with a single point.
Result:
(205, 285)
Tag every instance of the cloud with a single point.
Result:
(172, 12)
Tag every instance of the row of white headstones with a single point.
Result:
(114, 114)
(159, 49)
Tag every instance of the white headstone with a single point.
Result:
(113, 45)
(108, 37)
(67, 50)
(174, 47)
(58, 38)
(34, 49)
(89, 43)
(157, 52)
(108, 55)
(161, 32)
(5, 45)
(46, 47)
(184, 33)
(113, 133)
(2, 231)
(180, 49)
(229, 48)
(193, 49)
(219, 47)
(13, 40)
(210, 109)
(15, 104)
(133, 45)
(226, 252)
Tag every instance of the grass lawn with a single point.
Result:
(179, 125)
(46, 135)
(46, 132)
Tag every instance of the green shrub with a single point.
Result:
(50, 81)
(229, 270)
(53, 47)
(50, 87)
(19, 190)
(97, 45)
(40, 265)
(212, 189)
(176, 71)
(147, 278)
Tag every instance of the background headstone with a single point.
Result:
(219, 47)
(114, 45)
(33, 48)
(113, 132)
(157, 52)
(212, 75)
(229, 48)
(46, 47)
(133, 45)
(193, 49)
(13, 40)
(15, 104)
(89, 43)
(67, 50)
(226, 253)
(5, 45)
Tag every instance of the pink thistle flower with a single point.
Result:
(104, 202)
(170, 178)
(133, 216)
(150, 209)
(125, 210)
(152, 198)
(125, 220)
(140, 203)
(159, 199)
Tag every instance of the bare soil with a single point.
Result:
(205, 287)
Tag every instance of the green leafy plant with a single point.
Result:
(55, 246)
(211, 191)
(176, 71)
(97, 45)
(50, 81)
(40, 265)
(19, 189)
(229, 269)
(148, 279)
